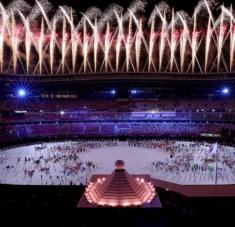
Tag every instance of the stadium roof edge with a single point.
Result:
(131, 76)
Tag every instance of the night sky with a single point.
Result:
(82, 5)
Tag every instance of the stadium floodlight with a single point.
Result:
(113, 92)
(225, 91)
(21, 93)
(133, 92)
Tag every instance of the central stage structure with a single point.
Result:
(120, 190)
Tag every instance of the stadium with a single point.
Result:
(149, 86)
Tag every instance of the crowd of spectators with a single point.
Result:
(116, 117)
(151, 115)
(18, 132)
(121, 105)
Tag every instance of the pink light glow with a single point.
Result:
(105, 192)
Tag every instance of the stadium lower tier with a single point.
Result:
(18, 132)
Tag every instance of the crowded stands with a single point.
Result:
(134, 117)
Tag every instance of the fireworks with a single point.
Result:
(46, 40)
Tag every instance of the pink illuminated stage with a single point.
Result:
(120, 190)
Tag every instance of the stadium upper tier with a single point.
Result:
(43, 40)
(49, 118)
(117, 106)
